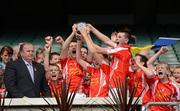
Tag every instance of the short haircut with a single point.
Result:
(55, 66)
(164, 63)
(23, 44)
(53, 53)
(126, 31)
(143, 59)
(85, 48)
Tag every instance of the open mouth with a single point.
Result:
(117, 42)
(54, 76)
(176, 77)
(74, 52)
(160, 73)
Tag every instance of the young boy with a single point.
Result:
(72, 71)
(121, 55)
(176, 75)
(55, 80)
(139, 80)
(163, 89)
(99, 73)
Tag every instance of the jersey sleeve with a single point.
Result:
(116, 51)
(152, 80)
(105, 67)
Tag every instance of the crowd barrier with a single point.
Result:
(49, 104)
(177, 104)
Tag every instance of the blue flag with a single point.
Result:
(164, 41)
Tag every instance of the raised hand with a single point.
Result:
(84, 32)
(88, 30)
(47, 48)
(163, 50)
(114, 36)
(59, 40)
(138, 63)
(48, 40)
(90, 27)
(74, 28)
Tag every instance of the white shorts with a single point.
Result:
(79, 95)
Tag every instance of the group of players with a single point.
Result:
(94, 71)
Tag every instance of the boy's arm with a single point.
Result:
(78, 55)
(148, 72)
(46, 57)
(150, 62)
(64, 51)
(59, 41)
(47, 51)
(90, 43)
(98, 57)
(101, 36)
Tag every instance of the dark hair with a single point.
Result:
(126, 31)
(85, 48)
(53, 53)
(143, 59)
(132, 40)
(8, 49)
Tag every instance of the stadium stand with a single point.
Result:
(145, 36)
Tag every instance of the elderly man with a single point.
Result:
(24, 77)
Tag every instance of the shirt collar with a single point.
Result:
(27, 62)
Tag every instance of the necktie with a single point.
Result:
(31, 71)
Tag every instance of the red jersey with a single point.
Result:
(73, 71)
(86, 89)
(120, 64)
(99, 78)
(57, 87)
(163, 92)
(138, 80)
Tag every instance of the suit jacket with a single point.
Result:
(18, 81)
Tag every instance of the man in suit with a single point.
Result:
(24, 77)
